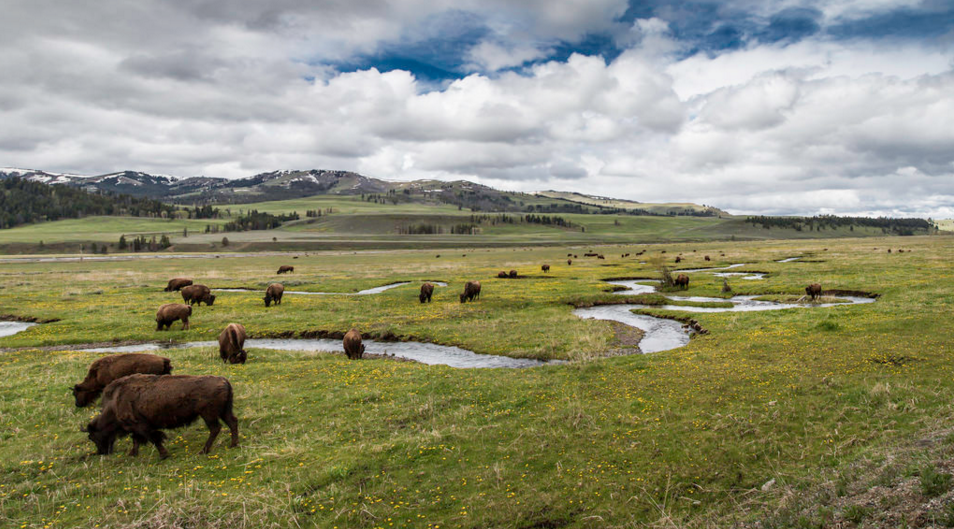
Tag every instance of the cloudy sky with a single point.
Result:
(756, 106)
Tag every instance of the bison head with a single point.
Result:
(84, 397)
(268, 300)
(210, 300)
(463, 298)
(239, 357)
(103, 438)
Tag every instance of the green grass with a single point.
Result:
(683, 438)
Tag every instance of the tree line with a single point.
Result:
(903, 226)
(26, 202)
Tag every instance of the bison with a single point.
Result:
(513, 274)
(109, 368)
(545, 268)
(707, 258)
(682, 280)
(502, 275)
(352, 344)
(678, 259)
(274, 294)
(177, 284)
(471, 291)
(569, 262)
(232, 344)
(171, 312)
(196, 294)
(284, 269)
(427, 290)
(142, 405)
(814, 290)
(600, 256)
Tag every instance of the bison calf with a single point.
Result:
(142, 405)
(352, 344)
(284, 269)
(427, 290)
(274, 294)
(109, 368)
(177, 284)
(171, 312)
(471, 291)
(814, 290)
(197, 294)
(232, 344)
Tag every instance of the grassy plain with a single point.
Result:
(680, 438)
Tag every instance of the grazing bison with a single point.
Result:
(471, 291)
(600, 256)
(109, 368)
(427, 290)
(142, 405)
(502, 275)
(352, 344)
(707, 258)
(284, 269)
(569, 255)
(274, 294)
(177, 284)
(545, 268)
(171, 312)
(196, 294)
(575, 257)
(590, 254)
(513, 274)
(232, 344)
(569, 262)
(678, 259)
(814, 290)
(682, 280)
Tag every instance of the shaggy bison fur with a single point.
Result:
(274, 294)
(197, 294)
(171, 312)
(109, 368)
(682, 280)
(471, 291)
(232, 344)
(177, 284)
(352, 344)
(142, 405)
(284, 269)
(814, 290)
(427, 290)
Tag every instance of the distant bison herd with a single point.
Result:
(141, 397)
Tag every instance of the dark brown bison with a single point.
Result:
(427, 290)
(471, 291)
(274, 294)
(196, 294)
(707, 258)
(575, 257)
(142, 405)
(889, 250)
(569, 262)
(171, 312)
(109, 368)
(502, 275)
(352, 344)
(513, 274)
(232, 344)
(569, 255)
(814, 290)
(678, 259)
(545, 268)
(284, 269)
(177, 284)
(600, 256)
(682, 280)
(590, 254)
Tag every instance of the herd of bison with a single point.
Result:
(140, 397)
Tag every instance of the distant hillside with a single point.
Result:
(284, 185)
(25, 202)
(656, 208)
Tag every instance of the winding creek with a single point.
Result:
(375, 290)
(659, 334)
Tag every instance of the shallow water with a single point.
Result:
(425, 353)
(9, 328)
(789, 260)
(691, 270)
(745, 275)
(375, 290)
(659, 334)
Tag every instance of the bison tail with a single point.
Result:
(233, 338)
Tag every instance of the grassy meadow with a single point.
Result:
(691, 437)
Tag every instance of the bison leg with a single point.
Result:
(185, 324)
(137, 440)
(155, 437)
(214, 428)
(232, 423)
